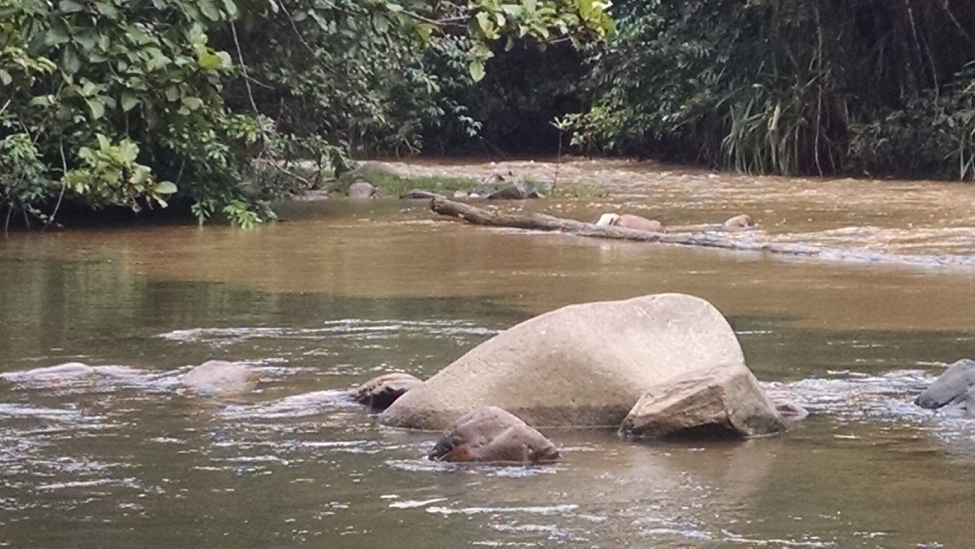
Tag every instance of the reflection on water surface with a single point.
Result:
(344, 292)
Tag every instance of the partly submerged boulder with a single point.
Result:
(491, 434)
(220, 378)
(379, 392)
(69, 372)
(582, 365)
(954, 389)
(724, 401)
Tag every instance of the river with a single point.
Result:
(340, 292)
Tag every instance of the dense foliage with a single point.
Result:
(138, 102)
(806, 86)
(211, 104)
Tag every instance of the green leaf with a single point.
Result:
(210, 61)
(209, 10)
(87, 39)
(192, 103)
(70, 61)
(482, 21)
(231, 8)
(96, 106)
(164, 187)
(89, 88)
(129, 101)
(380, 23)
(106, 9)
(5, 78)
(42, 100)
(70, 6)
(476, 69)
(513, 10)
(585, 8)
(128, 150)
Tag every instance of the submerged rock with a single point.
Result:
(954, 389)
(220, 378)
(723, 401)
(379, 392)
(491, 434)
(53, 375)
(582, 365)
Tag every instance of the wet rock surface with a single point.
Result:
(953, 391)
(722, 401)
(220, 378)
(380, 392)
(491, 434)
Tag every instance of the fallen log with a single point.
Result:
(543, 222)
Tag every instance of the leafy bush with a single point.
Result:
(111, 100)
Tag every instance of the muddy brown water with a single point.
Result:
(343, 291)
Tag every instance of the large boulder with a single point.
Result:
(724, 400)
(379, 392)
(220, 378)
(953, 390)
(491, 434)
(582, 365)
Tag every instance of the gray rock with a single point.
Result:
(582, 365)
(791, 412)
(724, 401)
(220, 378)
(361, 190)
(514, 191)
(379, 392)
(955, 388)
(491, 434)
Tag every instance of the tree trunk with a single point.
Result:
(542, 222)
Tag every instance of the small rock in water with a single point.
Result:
(220, 378)
(743, 221)
(491, 434)
(379, 392)
(953, 390)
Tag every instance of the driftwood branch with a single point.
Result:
(542, 222)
